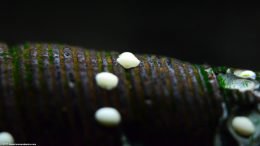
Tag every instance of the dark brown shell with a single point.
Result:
(49, 96)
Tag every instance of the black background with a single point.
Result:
(217, 33)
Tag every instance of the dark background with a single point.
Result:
(218, 33)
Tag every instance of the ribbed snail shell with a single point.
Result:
(48, 96)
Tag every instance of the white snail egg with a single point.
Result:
(106, 80)
(6, 138)
(128, 60)
(247, 74)
(256, 93)
(243, 126)
(108, 116)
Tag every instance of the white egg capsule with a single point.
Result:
(247, 74)
(108, 116)
(256, 93)
(106, 80)
(243, 126)
(128, 60)
(6, 138)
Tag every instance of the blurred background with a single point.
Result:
(217, 33)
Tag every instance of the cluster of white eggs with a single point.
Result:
(109, 116)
